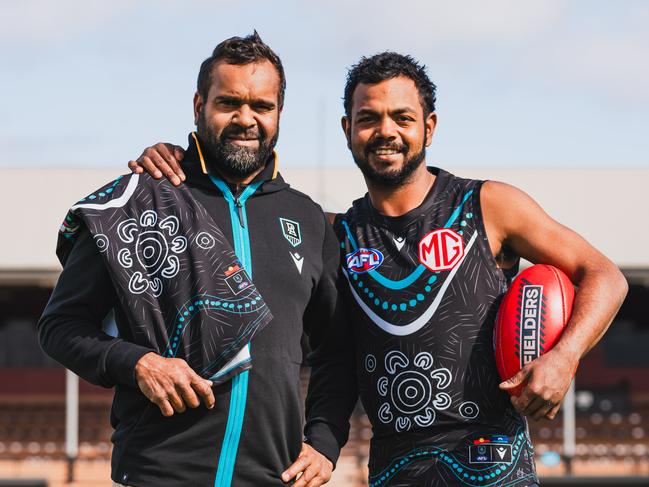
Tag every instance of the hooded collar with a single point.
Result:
(195, 167)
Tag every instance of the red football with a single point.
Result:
(531, 318)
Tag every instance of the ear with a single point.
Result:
(347, 127)
(198, 107)
(430, 124)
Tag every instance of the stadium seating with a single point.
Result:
(33, 427)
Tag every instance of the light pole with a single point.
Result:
(71, 421)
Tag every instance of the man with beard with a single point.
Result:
(249, 428)
(427, 256)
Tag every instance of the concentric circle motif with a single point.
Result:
(205, 240)
(469, 410)
(102, 242)
(152, 250)
(153, 244)
(411, 388)
(410, 391)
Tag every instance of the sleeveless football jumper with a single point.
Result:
(425, 289)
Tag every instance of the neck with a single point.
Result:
(407, 197)
(242, 180)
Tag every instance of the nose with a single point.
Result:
(244, 117)
(386, 129)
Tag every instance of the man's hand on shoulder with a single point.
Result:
(159, 159)
(171, 384)
(314, 467)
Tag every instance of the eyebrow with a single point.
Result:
(239, 101)
(397, 111)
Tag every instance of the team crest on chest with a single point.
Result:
(291, 231)
(441, 249)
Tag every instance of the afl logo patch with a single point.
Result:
(441, 250)
(364, 260)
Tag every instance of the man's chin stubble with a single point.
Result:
(391, 179)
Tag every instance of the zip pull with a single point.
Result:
(239, 211)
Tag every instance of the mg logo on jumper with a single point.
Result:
(291, 231)
(530, 325)
(364, 260)
(441, 250)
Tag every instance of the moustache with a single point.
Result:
(232, 131)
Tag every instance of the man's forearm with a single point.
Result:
(332, 395)
(599, 296)
(89, 352)
(327, 425)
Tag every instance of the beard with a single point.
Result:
(232, 160)
(389, 178)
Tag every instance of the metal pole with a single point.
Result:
(569, 427)
(71, 421)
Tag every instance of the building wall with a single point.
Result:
(607, 206)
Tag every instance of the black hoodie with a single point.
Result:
(254, 431)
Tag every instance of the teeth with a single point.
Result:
(385, 152)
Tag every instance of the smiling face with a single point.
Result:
(239, 121)
(387, 130)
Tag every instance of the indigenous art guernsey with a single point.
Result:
(424, 315)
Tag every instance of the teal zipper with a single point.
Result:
(238, 395)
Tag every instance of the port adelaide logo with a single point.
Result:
(530, 322)
(364, 260)
(291, 231)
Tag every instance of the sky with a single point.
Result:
(543, 83)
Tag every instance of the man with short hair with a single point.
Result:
(194, 274)
(427, 256)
